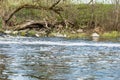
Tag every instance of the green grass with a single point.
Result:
(77, 35)
(32, 32)
(23, 33)
(112, 34)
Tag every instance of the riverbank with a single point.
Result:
(64, 33)
(76, 21)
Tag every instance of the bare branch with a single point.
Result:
(21, 7)
(90, 1)
(55, 4)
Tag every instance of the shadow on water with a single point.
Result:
(31, 59)
(3, 67)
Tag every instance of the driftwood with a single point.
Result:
(33, 25)
(41, 24)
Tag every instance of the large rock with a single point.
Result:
(80, 30)
(8, 32)
(95, 35)
(15, 32)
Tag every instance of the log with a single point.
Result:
(31, 25)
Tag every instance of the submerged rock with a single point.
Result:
(80, 30)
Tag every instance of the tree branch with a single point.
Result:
(22, 7)
(90, 1)
(56, 10)
(55, 4)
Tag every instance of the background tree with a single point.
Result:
(72, 14)
(116, 12)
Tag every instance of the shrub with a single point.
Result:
(32, 33)
(23, 33)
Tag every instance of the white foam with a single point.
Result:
(60, 43)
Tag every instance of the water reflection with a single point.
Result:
(53, 62)
(95, 38)
(3, 67)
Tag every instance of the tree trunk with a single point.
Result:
(4, 24)
(116, 14)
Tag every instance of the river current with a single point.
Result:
(49, 58)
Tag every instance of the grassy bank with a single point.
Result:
(66, 34)
(111, 34)
(82, 16)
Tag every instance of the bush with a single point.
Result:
(23, 33)
(32, 33)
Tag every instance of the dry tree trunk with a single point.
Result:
(92, 22)
(116, 14)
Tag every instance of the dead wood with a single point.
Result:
(33, 25)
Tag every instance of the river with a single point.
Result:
(30, 58)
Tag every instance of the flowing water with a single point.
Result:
(30, 58)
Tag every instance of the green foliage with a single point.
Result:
(79, 14)
(77, 35)
(111, 34)
(32, 33)
(23, 33)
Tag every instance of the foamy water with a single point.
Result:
(61, 43)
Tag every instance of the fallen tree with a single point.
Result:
(33, 24)
(6, 17)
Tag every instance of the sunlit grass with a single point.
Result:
(32, 32)
(111, 34)
(76, 35)
(23, 33)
